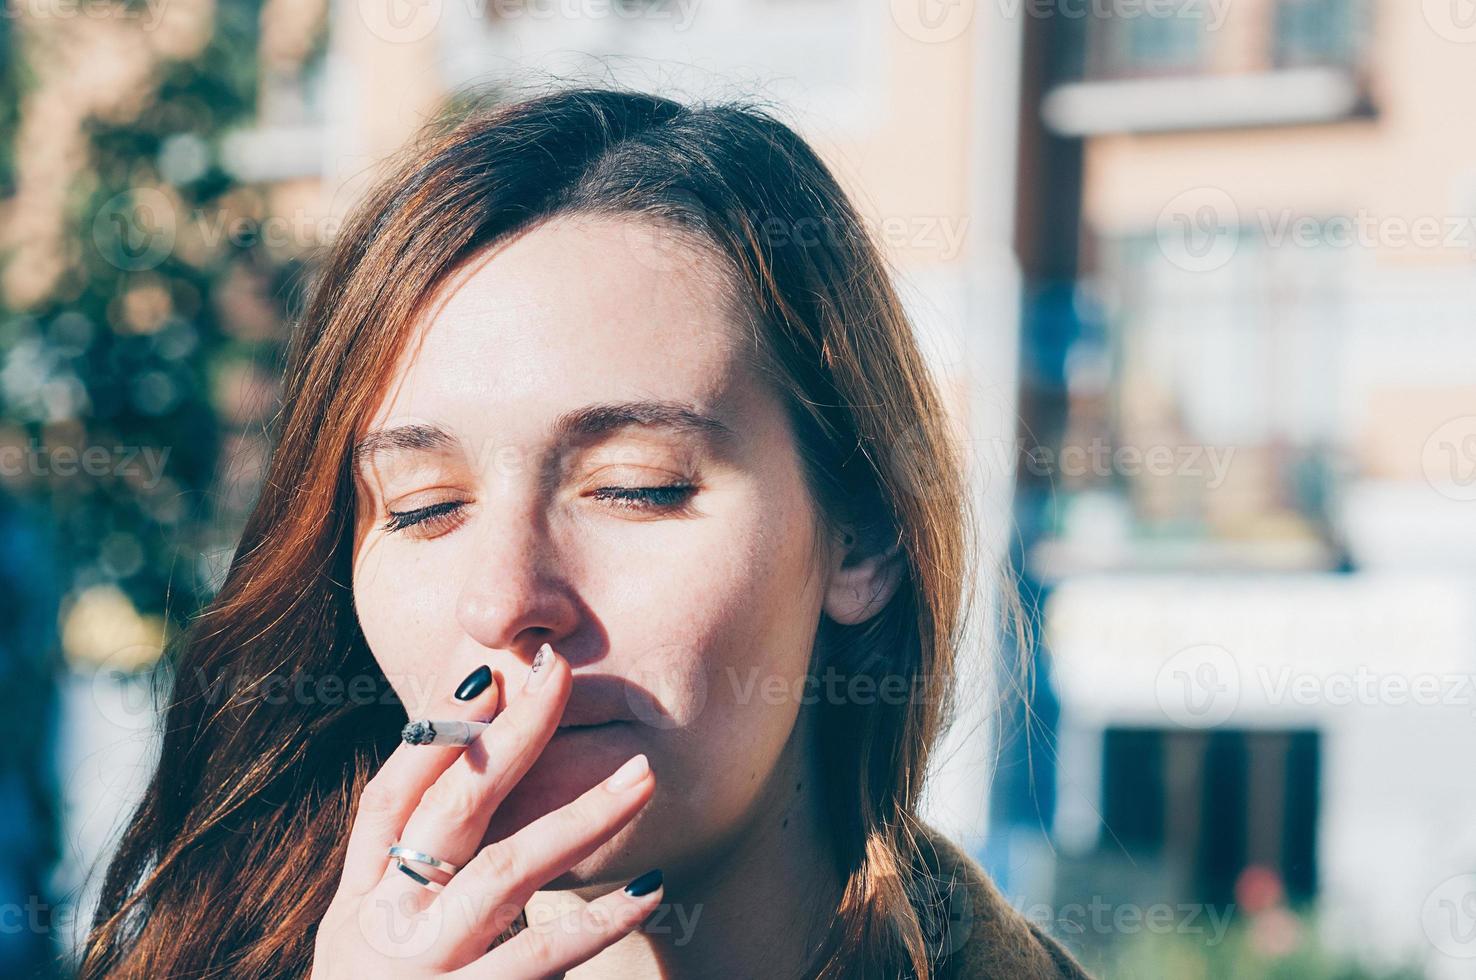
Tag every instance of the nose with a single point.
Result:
(513, 597)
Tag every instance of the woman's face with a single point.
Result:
(552, 385)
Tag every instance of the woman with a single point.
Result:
(604, 425)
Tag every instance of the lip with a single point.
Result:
(595, 701)
(599, 727)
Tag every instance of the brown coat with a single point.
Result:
(984, 936)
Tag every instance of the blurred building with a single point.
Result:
(1215, 254)
(1250, 376)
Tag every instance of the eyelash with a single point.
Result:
(444, 516)
(668, 497)
(435, 515)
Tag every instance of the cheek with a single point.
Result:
(740, 625)
(405, 614)
(718, 627)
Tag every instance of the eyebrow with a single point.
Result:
(581, 423)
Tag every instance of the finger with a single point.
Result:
(453, 812)
(389, 798)
(550, 949)
(485, 896)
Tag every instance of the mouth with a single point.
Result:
(599, 726)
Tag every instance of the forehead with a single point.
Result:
(574, 311)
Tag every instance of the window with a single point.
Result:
(1191, 39)
(1215, 802)
(1120, 46)
(1319, 32)
(1239, 355)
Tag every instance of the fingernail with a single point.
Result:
(628, 774)
(476, 682)
(645, 884)
(538, 670)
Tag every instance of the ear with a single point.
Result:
(862, 580)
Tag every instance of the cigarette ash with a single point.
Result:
(418, 733)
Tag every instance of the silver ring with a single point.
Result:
(417, 877)
(420, 857)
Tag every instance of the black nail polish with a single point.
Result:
(645, 884)
(476, 682)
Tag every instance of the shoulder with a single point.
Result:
(979, 934)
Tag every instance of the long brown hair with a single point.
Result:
(232, 856)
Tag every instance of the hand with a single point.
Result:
(439, 801)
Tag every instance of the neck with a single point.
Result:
(761, 907)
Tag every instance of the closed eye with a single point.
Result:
(437, 516)
(670, 497)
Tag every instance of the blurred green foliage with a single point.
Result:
(1283, 946)
(10, 89)
(136, 355)
(127, 354)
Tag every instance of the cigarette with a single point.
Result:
(426, 732)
